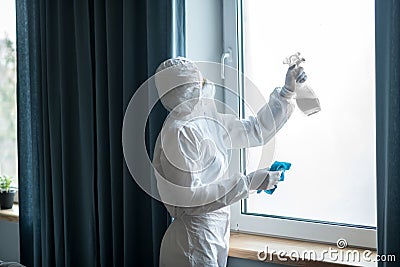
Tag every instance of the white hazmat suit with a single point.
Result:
(191, 159)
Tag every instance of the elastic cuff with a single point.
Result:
(286, 93)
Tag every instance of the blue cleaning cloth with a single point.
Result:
(277, 166)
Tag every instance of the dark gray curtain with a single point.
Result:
(79, 63)
(388, 127)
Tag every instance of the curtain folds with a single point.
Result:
(79, 63)
(388, 127)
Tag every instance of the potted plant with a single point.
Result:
(7, 192)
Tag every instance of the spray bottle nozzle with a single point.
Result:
(294, 59)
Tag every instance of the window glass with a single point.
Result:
(332, 152)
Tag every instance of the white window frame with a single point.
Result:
(300, 229)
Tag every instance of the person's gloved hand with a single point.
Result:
(294, 75)
(277, 166)
(264, 179)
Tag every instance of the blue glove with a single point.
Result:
(277, 166)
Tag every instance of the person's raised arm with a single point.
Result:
(258, 130)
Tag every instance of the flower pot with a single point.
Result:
(7, 199)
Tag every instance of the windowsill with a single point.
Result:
(11, 215)
(247, 246)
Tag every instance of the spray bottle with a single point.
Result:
(306, 99)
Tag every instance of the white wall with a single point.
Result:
(204, 30)
(204, 38)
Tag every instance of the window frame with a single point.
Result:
(279, 226)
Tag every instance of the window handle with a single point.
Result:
(226, 57)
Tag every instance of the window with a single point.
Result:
(329, 193)
(8, 106)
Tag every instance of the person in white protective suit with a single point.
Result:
(191, 159)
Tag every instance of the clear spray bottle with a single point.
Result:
(306, 99)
